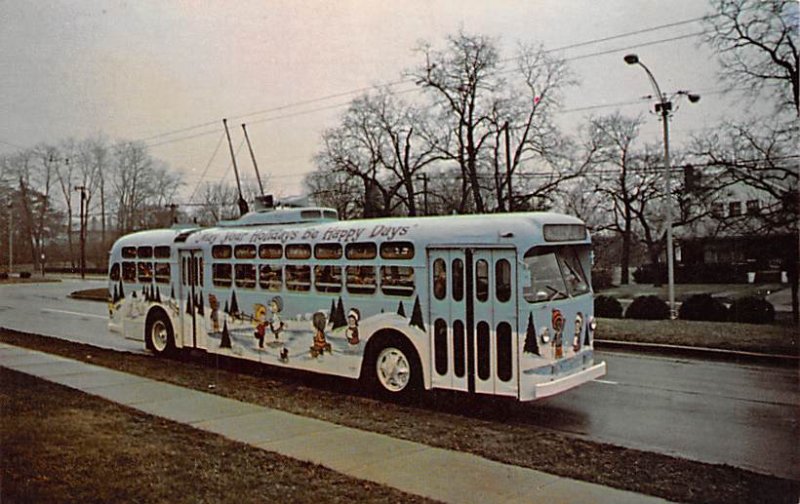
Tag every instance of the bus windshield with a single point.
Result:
(555, 273)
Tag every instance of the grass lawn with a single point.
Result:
(60, 445)
(501, 430)
(770, 339)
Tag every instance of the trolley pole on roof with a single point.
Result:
(242, 203)
(253, 157)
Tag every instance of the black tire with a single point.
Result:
(392, 369)
(158, 334)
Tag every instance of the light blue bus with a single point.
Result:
(491, 304)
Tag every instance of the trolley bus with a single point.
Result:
(489, 304)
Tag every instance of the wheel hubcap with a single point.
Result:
(394, 370)
(159, 336)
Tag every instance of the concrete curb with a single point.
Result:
(699, 352)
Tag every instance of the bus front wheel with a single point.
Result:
(159, 336)
(393, 369)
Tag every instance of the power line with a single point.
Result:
(208, 165)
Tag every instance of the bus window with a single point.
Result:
(459, 349)
(484, 356)
(458, 280)
(298, 278)
(439, 279)
(144, 252)
(298, 251)
(145, 271)
(162, 272)
(221, 252)
(328, 251)
(361, 279)
(328, 278)
(113, 274)
(221, 274)
(161, 252)
(546, 280)
(245, 252)
(504, 353)
(440, 346)
(397, 280)
(397, 250)
(481, 280)
(128, 271)
(245, 275)
(573, 272)
(129, 252)
(270, 277)
(270, 251)
(364, 250)
(502, 278)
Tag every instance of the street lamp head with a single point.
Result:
(693, 98)
(631, 59)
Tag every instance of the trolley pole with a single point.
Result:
(10, 241)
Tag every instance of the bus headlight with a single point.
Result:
(544, 334)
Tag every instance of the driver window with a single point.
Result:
(546, 282)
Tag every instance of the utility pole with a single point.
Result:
(10, 241)
(424, 178)
(82, 189)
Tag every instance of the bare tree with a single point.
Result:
(756, 44)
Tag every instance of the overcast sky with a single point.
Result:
(159, 70)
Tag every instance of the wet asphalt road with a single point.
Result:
(742, 415)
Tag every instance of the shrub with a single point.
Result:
(25, 274)
(607, 307)
(601, 279)
(703, 307)
(651, 274)
(4, 275)
(751, 310)
(648, 308)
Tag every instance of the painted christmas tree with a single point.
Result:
(226, 309)
(115, 297)
(234, 305)
(121, 291)
(337, 317)
(333, 309)
(189, 304)
(401, 310)
(158, 295)
(531, 341)
(172, 292)
(416, 316)
(226, 336)
(586, 341)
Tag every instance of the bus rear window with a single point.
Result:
(161, 252)
(113, 274)
(555, 273)
(144, 252)
(129, 252)
(128, 271)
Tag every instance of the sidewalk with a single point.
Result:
(445, 475)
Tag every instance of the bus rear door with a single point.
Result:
(191, 299)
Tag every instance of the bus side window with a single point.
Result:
(245, 275)
(128, 271)
(328, 278)
(114, 273)
(397, 280)
(361, 279)
(270, 277)
(458, 279)
(221, 275)
(439, 279)
(298, 278)
(162, 272)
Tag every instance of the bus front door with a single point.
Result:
(473, 314)
(191, 299)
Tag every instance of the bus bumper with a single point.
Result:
(558, 385)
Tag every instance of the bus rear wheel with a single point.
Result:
(159, 336)
(393, 370)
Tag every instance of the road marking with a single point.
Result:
(607, 382)
(80, 314)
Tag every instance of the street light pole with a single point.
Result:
(82, 189)
(664, 107)
(10, 241)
